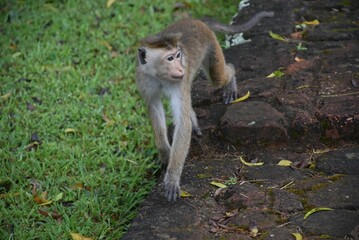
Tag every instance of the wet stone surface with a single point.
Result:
(309, 116)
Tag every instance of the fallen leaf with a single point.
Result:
(278, 73)
(218, 192)
(41, 201)
(218, 184)
(250, 164)
(77, 236)
(109, 3)
(314, 22)
(277, 36)
(254, 231)
(298, 59)
(6, 96)
(185, 194)
(70, 130)
(203, 175)
(321, 151)
(107, 44)
(58, 197)
(114, 54)
(316, 210)
(54, 214)
(17, 54)
(12, 46)
(297, 236)
(82, 186)
(32, 146)
(109, 122)
(7, 195)
(242, 98)
(285, 163)
(296, 35)
(232, 213)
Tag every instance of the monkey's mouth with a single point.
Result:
(178, 78)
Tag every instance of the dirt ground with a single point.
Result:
(309, 116)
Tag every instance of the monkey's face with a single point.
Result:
(172, 68)
(164, 64)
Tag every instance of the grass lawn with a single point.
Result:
(76, 146)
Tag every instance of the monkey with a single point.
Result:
(167, 64)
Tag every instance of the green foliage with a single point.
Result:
(72, 123)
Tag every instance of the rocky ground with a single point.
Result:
(309, 116)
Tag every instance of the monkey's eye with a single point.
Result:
(170, 59)
(178, 55)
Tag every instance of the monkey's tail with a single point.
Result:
(232, 29)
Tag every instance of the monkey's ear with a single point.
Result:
(142, 55)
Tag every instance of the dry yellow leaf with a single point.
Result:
(298, 59)
(6, 96)
(254, 231)
(277, 36)
(314, 22)
(297, 236)
(185, 194)
(242, 98)
(109, 3)
(232, 213)
(320, 151)
(77, 236)
(218, 184)
(107, 44)
(70, 130)
(250, 164)
(278, 73)
(285, 163)
(316, 210)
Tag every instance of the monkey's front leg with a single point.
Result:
(181, 110)
(158, 121)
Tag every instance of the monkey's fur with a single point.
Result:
(167, 64)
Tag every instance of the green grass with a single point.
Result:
(73, 127)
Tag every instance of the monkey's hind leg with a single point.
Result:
(230, 90)
(222, 74)
(195, 127)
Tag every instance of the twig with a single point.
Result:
(285, 186)
(338, 95)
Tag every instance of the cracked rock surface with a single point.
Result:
(309, 116)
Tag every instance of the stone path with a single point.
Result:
(309, 116)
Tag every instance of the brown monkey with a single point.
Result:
(167, 64)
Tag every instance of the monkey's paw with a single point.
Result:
(172, 189)
(230, 91)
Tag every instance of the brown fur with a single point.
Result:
(200, 50)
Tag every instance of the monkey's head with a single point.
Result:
(161, 57)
